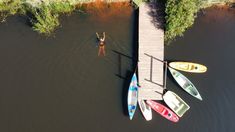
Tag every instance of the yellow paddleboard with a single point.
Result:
(188, 67)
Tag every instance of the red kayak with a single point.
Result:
(163, 110)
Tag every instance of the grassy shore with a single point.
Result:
(44, 15)
(180, 15)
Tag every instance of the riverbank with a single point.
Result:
(44, 14)
(180, 16)
(209, 3)
(37, 3)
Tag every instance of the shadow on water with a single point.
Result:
(125, 92)
(120, 56)
(127, 77)
(128, 74)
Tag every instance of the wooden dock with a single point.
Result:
(151, 53)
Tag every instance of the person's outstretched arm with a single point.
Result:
(104, 35)
(97, 35)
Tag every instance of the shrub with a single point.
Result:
(61, 7)
(10, 7)
(44, 20)
(180, 15)
(44, 17)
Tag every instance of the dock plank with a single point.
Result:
(151, 54)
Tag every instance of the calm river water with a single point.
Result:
(59, 84)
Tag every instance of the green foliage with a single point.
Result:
(180, 16)
(45, 18)
(62, 7)
(137, 2)
(10, 7)
(208, 3)
(45, 21)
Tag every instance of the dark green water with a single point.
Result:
(59, 84)
(211, 42)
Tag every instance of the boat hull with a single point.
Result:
(185, 83)
(188, 67)
(175, 103)
(145, 109)
(132, 97)
(163, 110)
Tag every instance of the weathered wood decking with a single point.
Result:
(151, 53)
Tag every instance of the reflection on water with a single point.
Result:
(103, 11)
